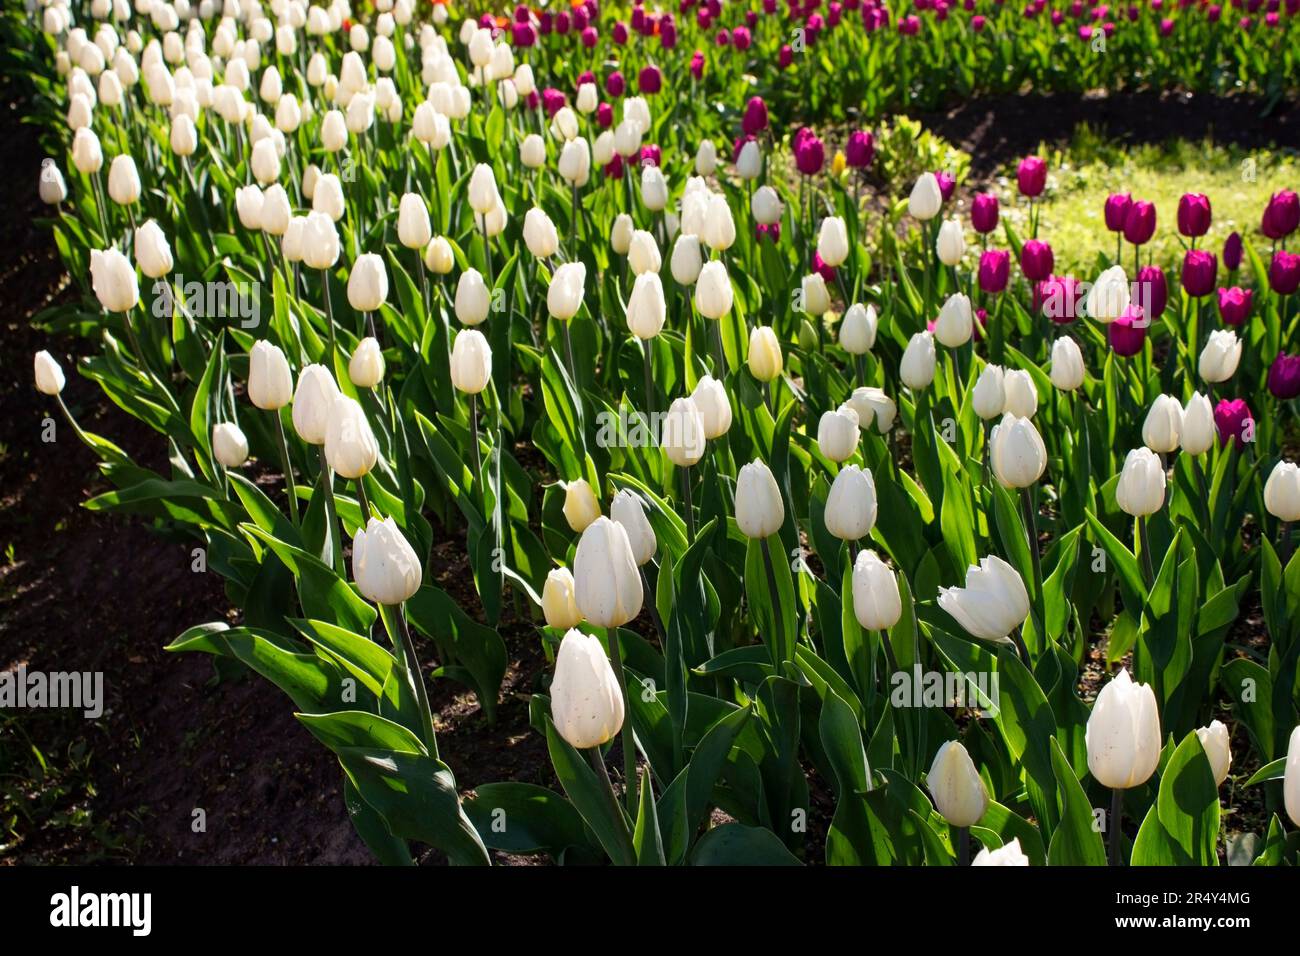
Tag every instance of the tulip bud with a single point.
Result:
(1141, 488)
(1123, 734)
(850, 511)
(586, 703)
(628, 510)
(760, 511)
(1021, 393)
(1291, 777)
(87, 155)
(581, 507)
(384, 565)
(954, 783)
(765, 360)
(333, 131)
(575, 162)
(483, 193)
(53, 189)
(620, 236)
(123, 180)
(1163, 423)
(114, 281)
(989, 396)
(993, 603)
(229, 445)
(816, 297)
(276, 211)
(1067, 364)
(766, 206)
(925, 201)
(955, 324)
(350, 446)
(858, 329)
(643, 253)
(312, 404)
(646, 310)
(471, 362)
(1282, 492)
(682, 434)
(1109, 296)
(718, 230)
(270, 381)
(1017, 452)
(706, 158)
(1219, 359)
(540, 235)
(713, 292)
(472, 298)
(749, 164)
(367, 283)
(328, 197)
(654, 188)
(558, 604)
(366, 367)
(876, 600)
(152, 251)
(951, 244)
(686, 260)
(917, 366)
(1214, 741)
(532, 151)
(265, 162)
(438, 257)
(1008, 854)
(49, 376)
(564, 297)
(833, 242)
(607, 583)
(837, 433)
(320, 241)
(710, 397)
(413, 227)
(1196, 433)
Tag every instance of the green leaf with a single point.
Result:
(734, 844)
(1074, 842)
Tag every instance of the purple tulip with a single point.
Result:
(1232, 252)
(552, 100)
(619, 33)
(1194, 214)
(1200, 269)
(1140, 222)
(785, 57)
(1128, 333)
(755, 119)
(650, 80)
(1234, 305)
(1117, 207)
(1031, 176)
(860, 149)
(819, 266)
(1281, 215)
(1036, 260)
(697, 64)
(946, 184)
(605, 115)
(651, 155)
(1284, 377)
(589, 37)
(809, 153)
(1234, 422)
(1284, 272)
(740, 38)
(994, 270)
(1057, 297)
(1152, 291)
(984, 213)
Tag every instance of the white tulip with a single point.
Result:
(765, 359)
(366, 367)
(1164, 422)
(858, 329)
(710, 397)
(123, 180)
(49, 376)
(313, 403)
(706, 158)
(1123, 734)
(1141, 488)
(766, 206)
(682, 434)
(350, 446)
(1291, 778)
(926, 199)
(113, 279)
(989, 397)
(760, 511)
(229, 446)
(1067, 364)
(1009, 854)
(532, 151)
(1017, 452)
(586, 703)
(850, 512)
(833, 241)
(414, 230)
(152, 251)
(643, 253)
(686, 261)
(607, 582)
(916, 370)
(749, 164)
(384, 565)
(713, 292)
(1109, 295)
(837, 433)
(873, 407)
(1220, 356)
(471, 362)
(993, 603)
(1282, 492)
(438, 257)
(958, 791)
(1218, 750)
(814, 295)
(718, 231)
(877, 603)
(1197, 432)
(540, 234)
(628, 510)
(559, 607)
(1021, 393)
(473, 299)
(367, 283)
(320, 241)
(565, 294)
(620, 235)
(270, 380)
(951, 244)
(646, 309)
(654, 188)
(955, 324)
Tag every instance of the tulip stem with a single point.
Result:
(1145, 543)
(568, 351)
(963, 846)
(412, 664)
(597, 760)
(625, 737)
(288, 469)
(1116, 818)
(473, 437)
(690, 507)
(1031, 530)
(649, 382)
(717, 344)
(363, 501)
(331, 513)
(329, 316)
(650, 604)
(1284, 543)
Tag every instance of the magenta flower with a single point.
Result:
(1194, 214)
(1152, 291)
(946, 183)
(994, 270)
(1284, 272)
(605, 115)
(819, 265)
(1281, 215)
(1058, 297)
(1200, 269)
(552, 100)
(1128, 333)
(1234, 305)
(809, 152)
(740, 38)
(1232, 252)
(615, 85)
(619, 33)
(1117, 207)
(523, 35)
(1284, 377)
(1036, 260)
(1140, 223)
(651, 155)
(1031, 176)
(755, 119)
(697, 64)
(860, 149)
(785, 57)
(1234, 422)
(984, 213)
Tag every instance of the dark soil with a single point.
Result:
(999, 130)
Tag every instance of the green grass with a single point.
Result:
(1092, 167)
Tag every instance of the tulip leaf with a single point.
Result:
(1075, 841)
(1270, 771)
(1185, 828)
(1129, 577)
(526, 818)
(735, 844)
(597, 805)
(645, 838)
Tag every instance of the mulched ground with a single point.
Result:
(103, 593)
